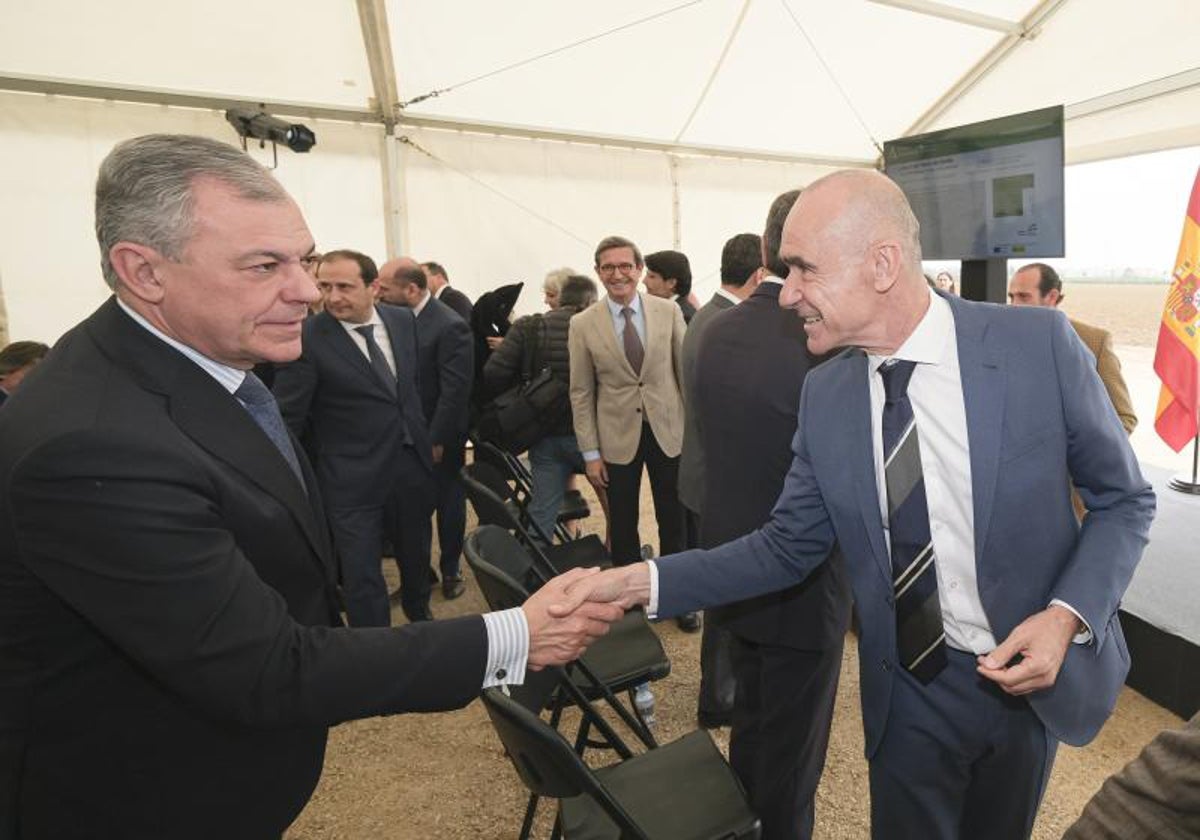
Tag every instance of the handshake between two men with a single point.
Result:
(574, 609)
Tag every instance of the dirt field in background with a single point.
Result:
(1130, 312)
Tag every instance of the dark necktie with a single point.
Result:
(634, 351)
(920, 637)
(378, 361)
(261, 405)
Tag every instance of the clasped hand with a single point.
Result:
(1039, 644)
(560, 626)
(574, 609)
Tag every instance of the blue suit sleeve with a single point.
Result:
(795, 540)
(1105, 471)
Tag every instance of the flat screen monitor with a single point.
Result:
(988, 190)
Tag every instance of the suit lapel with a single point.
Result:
(209, 415)
(860, 455)
(344, 345)
(984, 384)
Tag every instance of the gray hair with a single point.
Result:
(144, 190)
(554, 279)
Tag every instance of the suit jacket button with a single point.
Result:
(501, 673)
(887, 666)
(641, 385)
(639, 410)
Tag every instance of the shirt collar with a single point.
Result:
(615, 308)
(230, 378)
(771, 278)
(438, 293)
(927, 343)
(729, 296)
(374, 320)
(421, 304)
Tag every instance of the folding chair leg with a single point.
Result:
(530, 812)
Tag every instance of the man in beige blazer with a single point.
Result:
(1037, 284)
(626, 398)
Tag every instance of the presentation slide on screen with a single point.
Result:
(991, 195)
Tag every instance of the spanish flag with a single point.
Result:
(1177, 357)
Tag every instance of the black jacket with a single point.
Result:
(169, 661)
(503, 368)
(754, 361)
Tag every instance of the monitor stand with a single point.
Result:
(984, 280)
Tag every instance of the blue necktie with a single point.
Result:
(920, 636)
(264, 410)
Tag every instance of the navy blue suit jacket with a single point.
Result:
(1037, 417)
(331, 397)
(445, 354)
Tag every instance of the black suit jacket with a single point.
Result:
(754, 361)
(332, 397)
(457, 301)
(446, 369)
(170, 654)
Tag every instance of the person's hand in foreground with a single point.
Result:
(625, 586)
(1039, 645)
(558, 635)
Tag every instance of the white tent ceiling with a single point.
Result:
(808, 79)
(554, 123)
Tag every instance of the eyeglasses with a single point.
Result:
(609, 269)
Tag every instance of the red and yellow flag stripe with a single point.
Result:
(1177, 356)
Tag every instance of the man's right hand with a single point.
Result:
(559, 636)
(597, 475)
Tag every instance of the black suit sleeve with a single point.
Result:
(149, 563)
(455, 368)
(294, 387)
(503, 367)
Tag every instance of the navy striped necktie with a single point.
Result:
(260, 403)
(920, 636)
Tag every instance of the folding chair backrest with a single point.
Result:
(545, 761)
(489, 494)
(500, 564)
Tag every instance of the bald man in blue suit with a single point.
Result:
(938, 453)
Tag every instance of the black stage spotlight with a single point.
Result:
(262, 126)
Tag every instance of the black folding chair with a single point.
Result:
(681, 791)
(495, 503)
(629, 654)
(574, 506)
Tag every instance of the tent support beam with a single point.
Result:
(1029, 27)
(164, 96)
(372, 15)
(377, 40)
(219, 102)
(1165, 86)
(954, 13)
(634, 143)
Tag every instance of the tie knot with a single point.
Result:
(252, 391)
(896, 374)
(367, 331)
(627, 312)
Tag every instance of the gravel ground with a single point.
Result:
(446, 775)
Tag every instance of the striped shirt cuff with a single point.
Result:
(508, 647)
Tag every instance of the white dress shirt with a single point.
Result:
(729, 296)
(379, 331)
(935, 392)
(507, 630)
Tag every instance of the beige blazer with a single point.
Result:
(1099, 341)
(1109, 367)
(608, 401)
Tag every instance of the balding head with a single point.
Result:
(852, 245)
(396, 277)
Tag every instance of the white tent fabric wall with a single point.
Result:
(52, 147)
